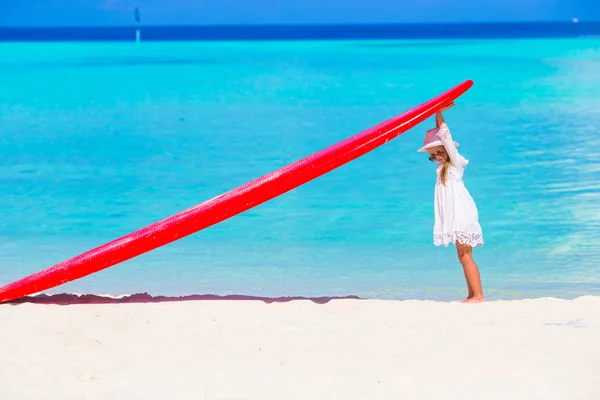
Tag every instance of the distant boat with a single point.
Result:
(137, 25)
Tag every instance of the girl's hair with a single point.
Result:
(444, 170)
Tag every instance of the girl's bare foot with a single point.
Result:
(474, 299)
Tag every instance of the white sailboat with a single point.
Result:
(137, 25)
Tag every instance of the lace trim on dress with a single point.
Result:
(473, 239)
(451, 175)
(443, 131)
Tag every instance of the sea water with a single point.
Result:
(100, 139)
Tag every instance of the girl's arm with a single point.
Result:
(439, 117)
(444, 134)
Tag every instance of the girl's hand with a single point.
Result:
(446, 108)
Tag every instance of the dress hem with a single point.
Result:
(473, 239)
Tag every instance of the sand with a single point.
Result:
(344, 349)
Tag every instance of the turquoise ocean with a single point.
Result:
(98, 139)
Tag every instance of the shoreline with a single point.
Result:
(90, 298)
(145, 298)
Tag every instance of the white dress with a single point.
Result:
(456, 216)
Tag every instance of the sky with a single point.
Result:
(198, 12)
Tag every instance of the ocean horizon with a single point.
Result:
(283, 32)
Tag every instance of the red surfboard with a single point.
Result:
(228, 204)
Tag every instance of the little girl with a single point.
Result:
(456, 216)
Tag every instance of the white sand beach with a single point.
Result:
(345, 349)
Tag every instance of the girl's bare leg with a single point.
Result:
(465, 256)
